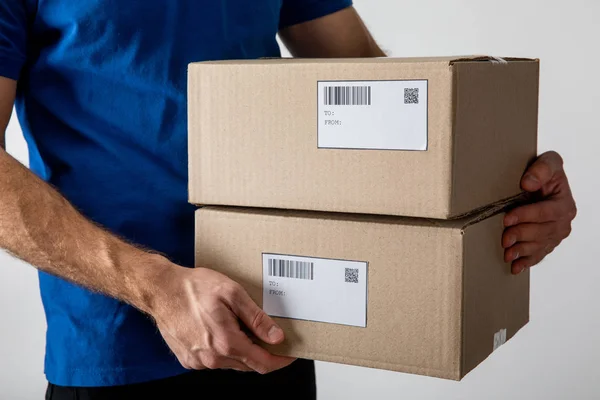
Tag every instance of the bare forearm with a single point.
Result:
(38, 225)
(339, 35)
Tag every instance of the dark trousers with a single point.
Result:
(294, 382)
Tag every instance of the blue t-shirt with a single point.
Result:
(102, 104)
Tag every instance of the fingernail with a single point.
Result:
(511, 220)
(511, 240)
(275, 333)
(518, 270)
(531, 179)
(515, 256)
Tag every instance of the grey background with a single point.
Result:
(557, 356)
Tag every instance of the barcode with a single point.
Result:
(348, 95)
(291, 269)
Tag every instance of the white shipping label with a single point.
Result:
(315, 289)
(373, 115)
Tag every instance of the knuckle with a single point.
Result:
(210, 361)
(229, 290)
(568, 230)
(258, 319)
(193, 363)
(573, 212)
(212, 305)
(245, 360)
(225, 348)
(546, 249)
(187, 361)
(197, 366)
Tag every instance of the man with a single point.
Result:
(100, 90)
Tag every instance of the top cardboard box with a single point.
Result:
(423, 137)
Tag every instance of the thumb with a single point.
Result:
(256, 319)
(541, 171)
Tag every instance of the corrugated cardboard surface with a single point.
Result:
(437, 291)
(495, 126)
(493, 299)
(253, 137)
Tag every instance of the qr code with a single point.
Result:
(411, 96)
(351, 275)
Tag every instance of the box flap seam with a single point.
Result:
(491, 59)
(495, 208)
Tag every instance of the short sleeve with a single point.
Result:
(13, 37)
(297, 11)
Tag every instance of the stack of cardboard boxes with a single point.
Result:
(359, 201)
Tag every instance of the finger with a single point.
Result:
(528, 233)
(542, 171)
(524, 263)
(237, 366)
(522, 249)
(256, 319)
(211, 362)
(263, 362)
(242, 349)
(540, 212)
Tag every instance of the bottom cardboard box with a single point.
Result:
(411, 295)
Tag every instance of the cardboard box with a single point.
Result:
(424, 137)
(427, 297)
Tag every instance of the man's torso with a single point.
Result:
(102, 104)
